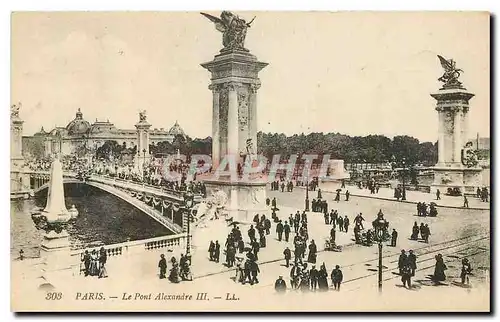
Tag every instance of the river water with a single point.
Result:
(103, 219)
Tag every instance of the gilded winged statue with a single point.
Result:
(233, 28)
(142, 115)
(14, 110)
(451, 73)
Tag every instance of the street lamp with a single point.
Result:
(403, 196)
(188, 204)
(380, 225)
(307, 188)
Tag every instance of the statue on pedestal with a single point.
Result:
(14, 110)
(142, 116)
(233, 28)
(451, 73)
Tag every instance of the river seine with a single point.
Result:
(103, 219)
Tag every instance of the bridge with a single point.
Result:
(163, 205)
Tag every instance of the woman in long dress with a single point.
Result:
(103, 257)
(94, 266)
(323, 278)
(439, 269)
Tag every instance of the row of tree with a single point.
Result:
(357, 149)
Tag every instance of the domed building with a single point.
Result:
(176, 130)
(80, 137)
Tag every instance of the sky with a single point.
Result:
(354, 73)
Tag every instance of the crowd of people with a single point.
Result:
(94, 263)
(179, 271)
(423, 230)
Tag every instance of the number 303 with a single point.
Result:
(53, 296)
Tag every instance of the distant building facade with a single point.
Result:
(81, 137)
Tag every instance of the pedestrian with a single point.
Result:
(311, 258)
(466, 202)
(323, 278)
(346, 224)
(313, 275)
(394, 237)
(251, 234)
(280, 285)
(103, 256)
(438, 194)
(337, 196)
(337, 277)
(211, 250)
(162, 264)
(340, 222)
(254, 270)
(427, 233)
(412, 262)
(217, 251)
(288, 256)
(406, 276)
(279, 230)
(273, 203)
(347, 194)
(86, 262)
(327, 218)
(268, 201)
(466, 271)
(439, 269)
(402, 261)
(414, 231)
(286, 230)
(332, 235)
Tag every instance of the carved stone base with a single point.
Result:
(245, 199)
(55, 252)
(465, 179)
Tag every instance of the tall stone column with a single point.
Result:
(441, 133)
(142, 141)
(232, 121)
(252, 121)
(457, 136)
(215, 127)
(16, 137)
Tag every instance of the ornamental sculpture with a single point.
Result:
(233, 28)
(142, 116)
(451, 73)
(469, 156)
(14, 110)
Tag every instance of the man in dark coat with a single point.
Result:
(273, 203)
(327, 218)
(402, 261)
(340, 222)
(346, 224)
(251, 234)
(217, 251)
(337, 277)
(162, 264)
(254, 270)
(86, 262)
(304, 217)
(280, 285)
(347, 194)
(394, 237)
(286, 230)
(211, 250)
(406, 275)
(288, 255)
(412, 262)
(267, 226)
(268, 201)
(313, 275)
(333, 217)
(279, 230)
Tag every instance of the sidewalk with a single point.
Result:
(411, 197)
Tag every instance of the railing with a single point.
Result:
(141, 205)
(130, 248)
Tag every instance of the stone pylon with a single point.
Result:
(55, 248)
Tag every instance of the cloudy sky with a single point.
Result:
(353, 73)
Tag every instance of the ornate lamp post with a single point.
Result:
(403, 196)
(307, 189)
(188, 204)
(380, 225)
